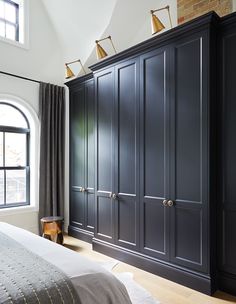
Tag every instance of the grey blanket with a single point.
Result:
(27, 278)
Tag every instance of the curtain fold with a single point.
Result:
(52, 147)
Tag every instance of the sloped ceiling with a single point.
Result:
(79, 23)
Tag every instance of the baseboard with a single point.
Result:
(80, 234)
(227, 282)
(199, 282)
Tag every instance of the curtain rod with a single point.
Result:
(21, 77)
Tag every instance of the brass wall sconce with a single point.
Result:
(69, 73)
(157, 25)
(101, 53)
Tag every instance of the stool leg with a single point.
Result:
(46, 236)
(60, 238)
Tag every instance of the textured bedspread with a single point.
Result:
(27, 278)
(93, 284)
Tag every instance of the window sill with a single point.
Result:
(15, 43)
(17, 210)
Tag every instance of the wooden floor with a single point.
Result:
(161, 289)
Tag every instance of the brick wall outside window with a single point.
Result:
(190, 9)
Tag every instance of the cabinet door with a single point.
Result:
(227, 200)
(154, 165)
(77, 157)
(90, 156)
(127, 154)
(104, 86)
(189, 153)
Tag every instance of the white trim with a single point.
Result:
(34, 153)
(17, 210)
(25, 16)
(234, 5)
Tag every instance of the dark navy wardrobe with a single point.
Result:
(152, 145)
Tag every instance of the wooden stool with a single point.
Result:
(52, 228)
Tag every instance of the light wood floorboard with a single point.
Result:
(161, 289)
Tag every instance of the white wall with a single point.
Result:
(145, 30)
(23, 220)
(130, 24)
(78, 24)
(43, 61)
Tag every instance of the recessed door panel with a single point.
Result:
(189, 157)
(188, 109)
(90, 130)
(104, 218)
(154, 153)
(77, 157)
(154, 125)
(126, 153)
(127, 109)
(90, 156)
(77, 209)
(90, 219)
(77, 132)
(104, 162)
(104, 131)
(127, 225)
(188, 227)
(155, 237)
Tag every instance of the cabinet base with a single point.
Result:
(202, 283)
(227, 283)
(81, 234)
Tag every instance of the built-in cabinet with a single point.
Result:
(152, 153)
(82, 158)
(175, 152)
(227, 156)
(152, 183)
(117, 155)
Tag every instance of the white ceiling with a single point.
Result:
(79, 23)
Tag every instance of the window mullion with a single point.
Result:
(14, 168)
(9, 22)
(17, 22)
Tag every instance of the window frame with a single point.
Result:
(15, 24)
(23, 27)
(17, 130)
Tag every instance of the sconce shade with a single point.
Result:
(69, 73)
(157, 25)
(101, 53)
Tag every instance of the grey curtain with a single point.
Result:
(52, 146)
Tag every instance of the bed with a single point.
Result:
(92, 283)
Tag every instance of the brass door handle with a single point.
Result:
(165, 203)
(170, 203)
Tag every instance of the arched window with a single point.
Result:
(14, 157)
